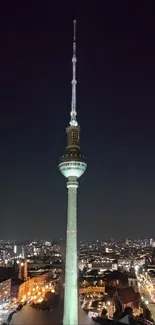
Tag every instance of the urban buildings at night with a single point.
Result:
(88, 276)
(106, 269)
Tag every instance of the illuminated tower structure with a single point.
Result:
(72, 165)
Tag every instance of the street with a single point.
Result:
(147, 294)
(31, 316)
(5, 310)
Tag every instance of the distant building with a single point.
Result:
(63, 252)
(126, 242)
(125, 263)
(19, 250)
(103, 265)
(15, 249)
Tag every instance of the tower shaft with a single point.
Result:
(71, 291)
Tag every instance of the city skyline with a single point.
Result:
(115, 111)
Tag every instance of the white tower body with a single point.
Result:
(72, 165)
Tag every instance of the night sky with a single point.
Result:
(116, 112)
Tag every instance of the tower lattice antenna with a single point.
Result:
(73, 113)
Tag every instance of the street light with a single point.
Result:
(53, 291)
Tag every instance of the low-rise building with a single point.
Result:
(127, 297)
(5, 290)
(22, 289)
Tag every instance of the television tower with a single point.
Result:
(72, 165)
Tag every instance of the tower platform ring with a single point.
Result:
(72, 168)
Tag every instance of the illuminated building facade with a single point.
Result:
(72, 165)
(23, 290)
(5, 290)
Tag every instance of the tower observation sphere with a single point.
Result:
(72, 165)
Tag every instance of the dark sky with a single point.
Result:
(116, 112)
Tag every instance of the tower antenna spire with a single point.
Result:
(73, 113)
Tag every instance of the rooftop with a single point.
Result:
(127, 295)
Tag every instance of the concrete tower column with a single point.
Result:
(71, 290)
